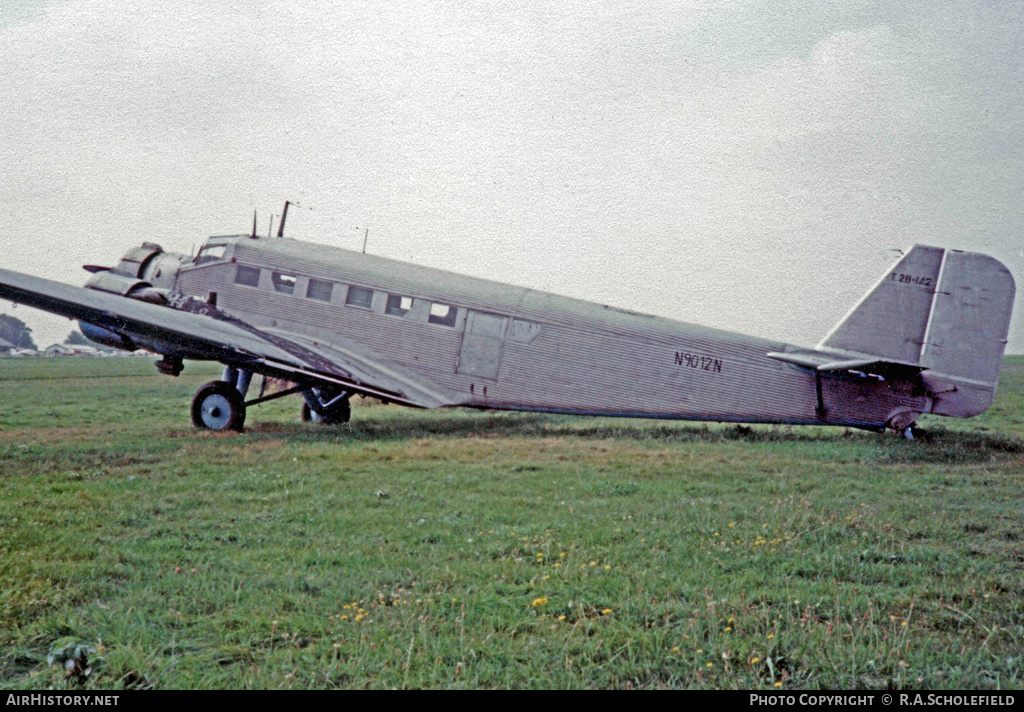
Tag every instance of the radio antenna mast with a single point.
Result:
(280, 228)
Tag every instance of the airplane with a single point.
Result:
(928, 338)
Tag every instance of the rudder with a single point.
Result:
(970, 317)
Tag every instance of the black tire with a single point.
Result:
(339, 413)
(218, 406)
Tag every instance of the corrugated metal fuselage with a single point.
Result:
(506, 347)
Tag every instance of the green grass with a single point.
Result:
(466, 549)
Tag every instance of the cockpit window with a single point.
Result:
(210, 253)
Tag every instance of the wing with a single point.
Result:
(365, 371)
(190, 328)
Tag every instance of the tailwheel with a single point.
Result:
(904, 423)
(339, 412)
(218, 406)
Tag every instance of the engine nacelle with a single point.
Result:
(106, 337)
(134, 262)
(145, 273)
(125, 286)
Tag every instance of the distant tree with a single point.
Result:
(15, 331)
(76, 338)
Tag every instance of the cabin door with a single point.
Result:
(482, 342)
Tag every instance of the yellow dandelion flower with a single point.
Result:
(542, 601)
(675, 649)
(561, 618)
(607, 567)
(778, 684)
(771, 635)
(606, 611)
(728, 628)
(755, 661)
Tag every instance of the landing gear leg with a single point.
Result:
(240, 378)
(328, 407)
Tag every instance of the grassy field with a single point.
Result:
(468, 549)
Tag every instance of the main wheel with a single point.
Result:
(218, 406)
(340, 412)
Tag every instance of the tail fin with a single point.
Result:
(946, 311)
(891, 320)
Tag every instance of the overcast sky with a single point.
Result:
(752, 166)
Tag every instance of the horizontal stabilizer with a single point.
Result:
(830, 362)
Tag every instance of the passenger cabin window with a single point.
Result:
(210, 253)
(398, 305)
(319, 290)
(284, 283)
(359, 297)
(249, 276)
(443, 314)
(523, 332)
